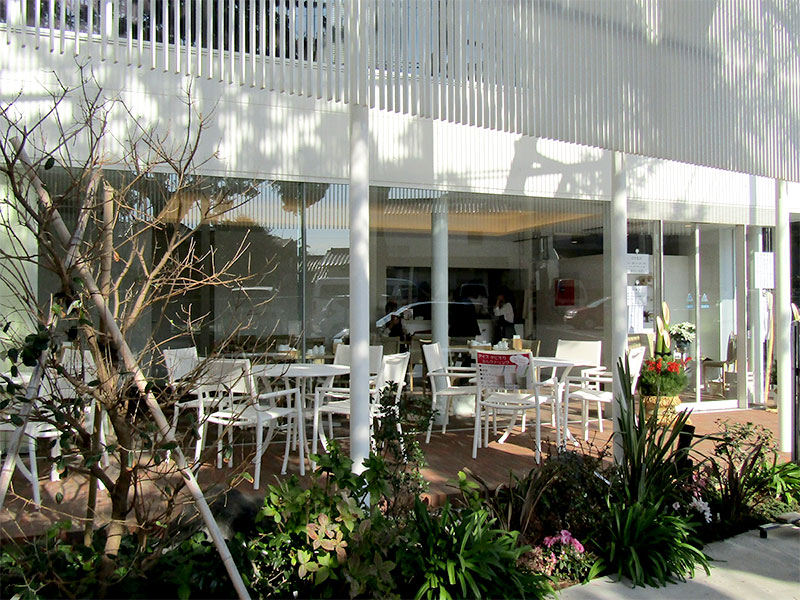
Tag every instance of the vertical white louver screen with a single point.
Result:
(706, 82)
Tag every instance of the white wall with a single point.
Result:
(263, 134)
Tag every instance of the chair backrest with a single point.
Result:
(731, 354)
(585, 352)
(433, 357)
(342, 357)
(533, 345)
(635, 361)
(232, 377)
(504, 370)
(393, 369)
(77, 364)
(179, 362)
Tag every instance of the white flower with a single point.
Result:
(676, 506)
(701, 506)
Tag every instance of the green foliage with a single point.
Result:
(683, 333)
(745, 474)
(565, 491)
(48, 567)
(649, 546)
(653, 468)
(663, 376)
(460, 554)
(563, 557)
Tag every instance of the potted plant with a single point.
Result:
(663, 377)
(682, 334)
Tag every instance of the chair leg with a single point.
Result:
(430, 421)
(219, 446)
(37, 499)
(257, 459)
(477, 433)
(201, 429)
(600, 416)
(290, 442)
(55, 450)
(538, 432)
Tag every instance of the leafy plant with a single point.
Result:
(683, 333)
(663, 376)
(459, 554)
(653, 466)
(563, 557)
(745, 473)
(649, 546)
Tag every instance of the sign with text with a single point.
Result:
(502, 371)
(763, 270)
(638, 264)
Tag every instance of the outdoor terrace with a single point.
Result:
(446, 455)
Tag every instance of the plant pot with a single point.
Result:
(666, 407)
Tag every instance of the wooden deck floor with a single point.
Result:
(446, 455)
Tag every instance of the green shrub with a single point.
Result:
(747, 484)
(460, 554)
(648, 546)
(653, 468)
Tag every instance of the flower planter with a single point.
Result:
(666, 407)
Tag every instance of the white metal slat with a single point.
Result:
(37, 20)
(263, 23)
(139, 32)
(76, 25)
(231, 41)
(316, 56)
(402, 65)
(307, 49)
(241, 43)
(458, 49)
(51, 20)
(209, 45)
(153, 48)
(436, 72)
(198, 38)
(380, 53)
(89, 27)
(371, 62)
(425, 67)
(396, 66)
(187, 29)
(364, 25)
(414, 56)
(292, 49)
(165, 34)
(251, 46)
(330, 51)
(348, 50)
(280, 55)
(177, 35)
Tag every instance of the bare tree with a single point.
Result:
(134, 215)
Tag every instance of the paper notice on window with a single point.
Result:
(502, 371)
(637, 295)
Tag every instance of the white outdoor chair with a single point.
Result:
(216, 380)
(442, 388)
(180, 363)
(342, 357)
(81, 367)
(506, 386)
(393, 371)
(588, 388)
(243, 409)
(34, 431)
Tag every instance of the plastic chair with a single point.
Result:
(247, 410)
(180, 363)
(586, 389)
(730, 361)
(505, 385)
(442, 388)
(393, 371)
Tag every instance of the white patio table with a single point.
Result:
(300, 372)
(561, 370)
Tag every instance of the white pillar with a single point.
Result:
(618, 232)
(783, 316)
(359, 286)
(755, 319)
(439, 274)
(698, 338)
(740, 245)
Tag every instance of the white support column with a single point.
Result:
(698, 339)
(783, 316)
(755, 319)
(740, 245)
(359, 286)
(618, 232)
(439, 274)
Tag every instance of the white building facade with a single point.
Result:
(586, 159)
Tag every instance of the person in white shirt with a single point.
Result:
(504, 316)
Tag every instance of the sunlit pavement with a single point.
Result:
(744, 567)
